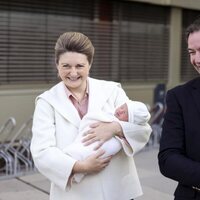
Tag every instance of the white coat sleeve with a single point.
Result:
(137, 135)
(49, 159)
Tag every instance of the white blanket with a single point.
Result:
(77, 149)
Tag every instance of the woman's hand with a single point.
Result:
(101, 132)
(92, 164)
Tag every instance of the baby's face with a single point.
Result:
(122, 112)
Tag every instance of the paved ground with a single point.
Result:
(36, 187)
(155, 186)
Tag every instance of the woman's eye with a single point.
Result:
(80, 66)
(66, 66)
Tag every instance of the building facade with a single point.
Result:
(139, 43)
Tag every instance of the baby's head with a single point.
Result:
(122, 112)
(131, 109)
(125, 112)
(133, 112)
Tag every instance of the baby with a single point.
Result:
(131, 111)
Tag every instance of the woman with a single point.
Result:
(56, 121)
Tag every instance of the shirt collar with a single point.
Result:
(68, 93)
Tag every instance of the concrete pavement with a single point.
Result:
(35, 186)
(155, 186)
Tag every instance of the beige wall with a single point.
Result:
(190, 4)
(19, 103)
(142, 93)
(175, 48)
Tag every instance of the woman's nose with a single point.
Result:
(73, 71)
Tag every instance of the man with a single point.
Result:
(179, 155)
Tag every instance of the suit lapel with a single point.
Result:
(196, 92)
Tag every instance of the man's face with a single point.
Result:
(194, 49)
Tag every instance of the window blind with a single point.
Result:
(130, 39)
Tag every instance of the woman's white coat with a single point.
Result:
(55, 125)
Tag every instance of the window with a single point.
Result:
(130, 39)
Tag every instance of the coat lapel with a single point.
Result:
(99, 93)
(58, 99)
(196, 92)
(96, 98)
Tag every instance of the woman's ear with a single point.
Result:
(57, 71)
(90, 66)
(57, 67)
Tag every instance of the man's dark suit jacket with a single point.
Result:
(179, 155)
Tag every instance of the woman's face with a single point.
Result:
(73, 69)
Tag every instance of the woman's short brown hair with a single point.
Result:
(74, 42)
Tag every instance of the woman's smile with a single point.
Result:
(73, 69)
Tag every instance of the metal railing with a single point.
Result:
(156, 120)
(15, 155)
